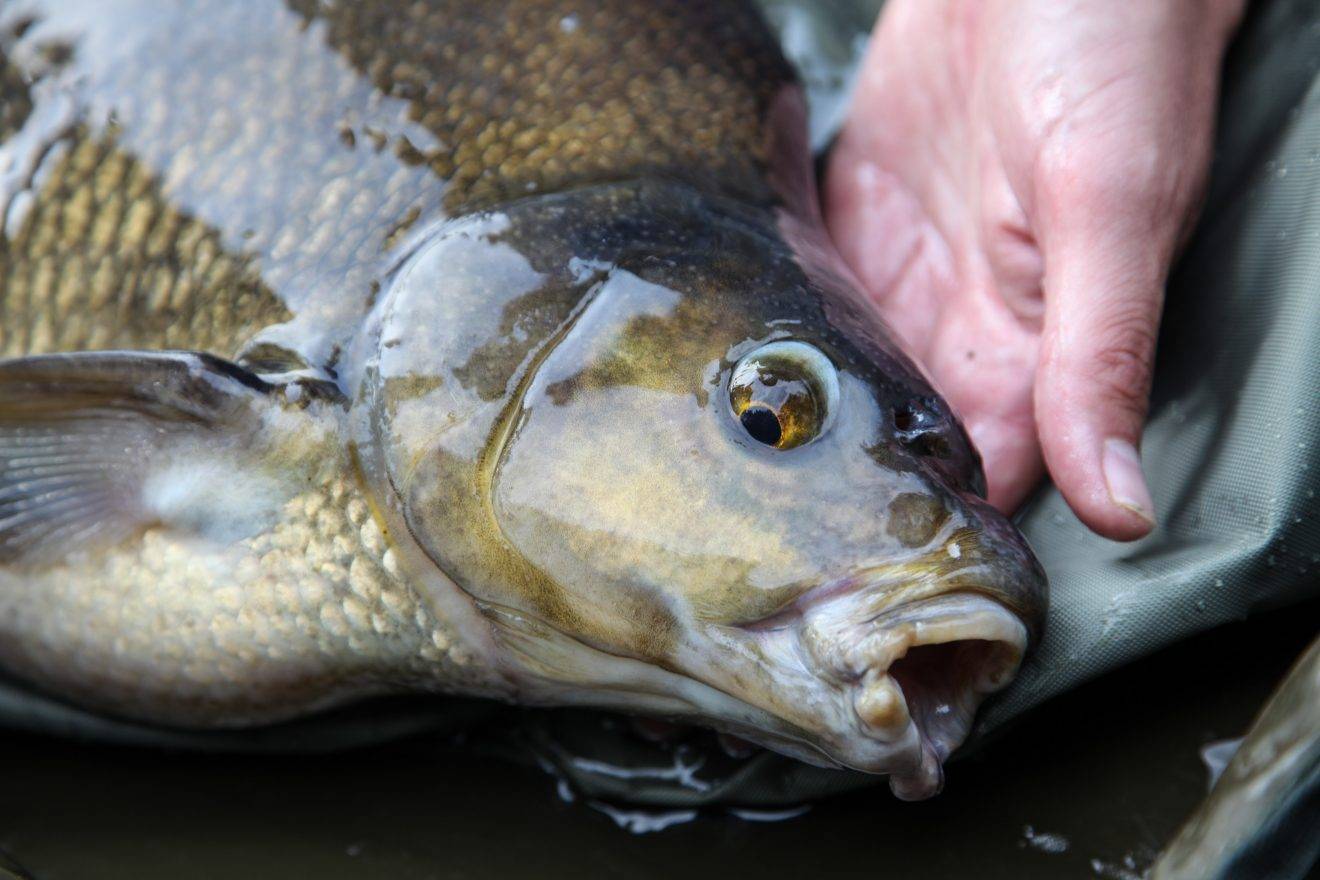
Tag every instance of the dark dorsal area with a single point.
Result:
(528, 96)
(182, 175)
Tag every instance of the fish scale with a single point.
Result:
(103, 261)
(241, 193)
(322, 613)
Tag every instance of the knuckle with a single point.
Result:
(1121, 367)
(1077, 182)
(1104, 178)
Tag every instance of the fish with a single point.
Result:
(489, 349)
(10, 870)
(1261, 815)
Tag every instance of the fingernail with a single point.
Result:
(1123, 477)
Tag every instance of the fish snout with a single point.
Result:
(924, 671)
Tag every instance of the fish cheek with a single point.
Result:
(655, 630)
(914, 518)
(587, 583)
(650, 520)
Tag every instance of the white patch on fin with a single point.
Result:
(212, 497)
(95, 447)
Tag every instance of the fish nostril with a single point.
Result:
(921, 429)
(932, 446)
(917, 415)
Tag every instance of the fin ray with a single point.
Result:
(80, 435)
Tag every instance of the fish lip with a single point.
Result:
(941, 618)
(878, 579)
(915, 675)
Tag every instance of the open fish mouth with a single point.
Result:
(916, 676)
(936, 663)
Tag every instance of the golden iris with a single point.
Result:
(782, 392)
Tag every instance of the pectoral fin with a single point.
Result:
(95, 447)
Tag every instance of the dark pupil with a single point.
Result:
(762, 424)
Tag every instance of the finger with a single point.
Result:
(1113, 185)
(983, 359)
(1108, 246)
(1011, 456)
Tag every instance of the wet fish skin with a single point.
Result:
(484, 272)
(1261, 816)
(207, 168)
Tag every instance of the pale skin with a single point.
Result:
(1012, 187)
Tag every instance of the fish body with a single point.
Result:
(493, 349)
(1261, 816)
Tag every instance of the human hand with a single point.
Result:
(1011, 187)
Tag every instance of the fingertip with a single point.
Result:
(1121, 465)
(1120, 523)
(1107, 490)
(1090, 408)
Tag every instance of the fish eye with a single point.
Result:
(783, 393)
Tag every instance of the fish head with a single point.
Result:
(715, 489)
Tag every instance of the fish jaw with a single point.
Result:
(917, 675)
(894, 693)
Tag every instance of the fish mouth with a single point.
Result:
(916, 676)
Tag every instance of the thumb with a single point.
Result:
(1105, 269)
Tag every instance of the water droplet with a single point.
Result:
(1044, 841)
(1111, 871)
